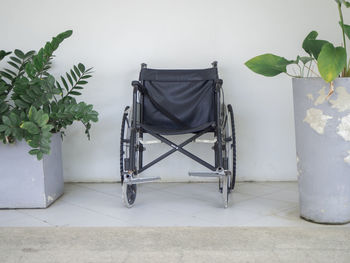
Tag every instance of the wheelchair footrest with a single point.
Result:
(217, 173)
(141, 180)
(204, 174)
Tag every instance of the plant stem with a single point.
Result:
(343, 31)
(76, 83)
(300, 70)
(331, 90)
(308, 72)
(292, 75)
(318, 75)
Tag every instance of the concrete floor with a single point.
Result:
(175, 244)
(171, 222)
(166, 204)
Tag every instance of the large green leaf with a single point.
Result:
(311, 36)
(32, 113)
(313, 46)
(6, 120)
(34, 151)
(77, 71)
(31, 127)
(21, 104)
(75, 93)
(3, 107)
(268, 65)
(14, 119)
(331, 62)
(43, 119)
(29, 54)
(19, 54)
(81, 67)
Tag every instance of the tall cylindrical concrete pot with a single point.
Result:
(26, 182)
(322, 128)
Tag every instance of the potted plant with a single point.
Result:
(322, 123)
(34, 111)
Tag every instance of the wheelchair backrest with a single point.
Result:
(187, 95)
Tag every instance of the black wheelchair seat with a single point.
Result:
(173, 131)
(188, 96)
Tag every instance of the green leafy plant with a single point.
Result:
(33, 104)
(331, 61)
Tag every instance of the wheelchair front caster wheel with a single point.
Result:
(129, 194)
(226, 189)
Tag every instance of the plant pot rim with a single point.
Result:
(316, 78)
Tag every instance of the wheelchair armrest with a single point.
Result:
(138, 85)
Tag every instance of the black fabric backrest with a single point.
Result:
(187, 94)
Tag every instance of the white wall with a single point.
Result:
(115, 36)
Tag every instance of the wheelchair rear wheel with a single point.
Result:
(128, 190)
(230, 147)
(227, 183)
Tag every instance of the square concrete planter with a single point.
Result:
(26, 182)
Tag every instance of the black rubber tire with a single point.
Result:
(122, 141)
(131, 193)
(233, 178)
(131, 190)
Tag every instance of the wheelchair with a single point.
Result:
(174, 102)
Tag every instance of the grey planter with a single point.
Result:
(26, 182)
(323, 149)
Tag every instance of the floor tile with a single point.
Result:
(106, 188)
(8, 215)
(263, 206)
(284, 195)
(160, 185)
(24, 220)
(65, 214)
(288, 185)
(256, 189)
(202, 191)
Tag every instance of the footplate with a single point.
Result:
(205, 174)
(224, 176)
(218, 173)
(138, 180)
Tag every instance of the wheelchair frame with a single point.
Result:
(134, 167)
